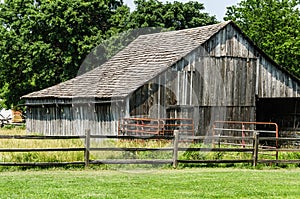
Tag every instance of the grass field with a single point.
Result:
(162, 183)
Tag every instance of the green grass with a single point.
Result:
(162, 183)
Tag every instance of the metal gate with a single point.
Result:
(247, 129)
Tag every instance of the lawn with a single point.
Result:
(161, 183)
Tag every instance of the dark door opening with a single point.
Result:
(283, 111)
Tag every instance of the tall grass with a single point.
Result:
(55, 156)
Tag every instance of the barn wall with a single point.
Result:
(230, 43)
(225, 81)
(59, 119)
(151, 99)
(200, 81)
(229, 113)
(275, 83)
(271, 81)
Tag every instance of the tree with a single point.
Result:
(44, 42)
(274, 25)
(176, 16)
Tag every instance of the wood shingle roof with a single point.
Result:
(143, 59)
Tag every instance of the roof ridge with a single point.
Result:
(223, 24)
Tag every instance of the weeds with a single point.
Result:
(55, 156)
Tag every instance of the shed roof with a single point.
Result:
(139, 62)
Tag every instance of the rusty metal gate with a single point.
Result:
(247, 129)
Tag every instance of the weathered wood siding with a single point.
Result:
(230, 43)
(206, 81)
(274, 83)
(68, 119)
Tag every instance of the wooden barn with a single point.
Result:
(192, 76)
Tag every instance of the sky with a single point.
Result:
(213, 7)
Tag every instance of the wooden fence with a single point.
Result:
(255, 149)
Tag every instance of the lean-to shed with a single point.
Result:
(207, 73)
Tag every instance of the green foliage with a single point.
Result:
(177, 15)
(274, 26)
(44, 42)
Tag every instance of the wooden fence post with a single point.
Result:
(87, 147)
(255, 147)
(175, 151)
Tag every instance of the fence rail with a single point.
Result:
(254, 149)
